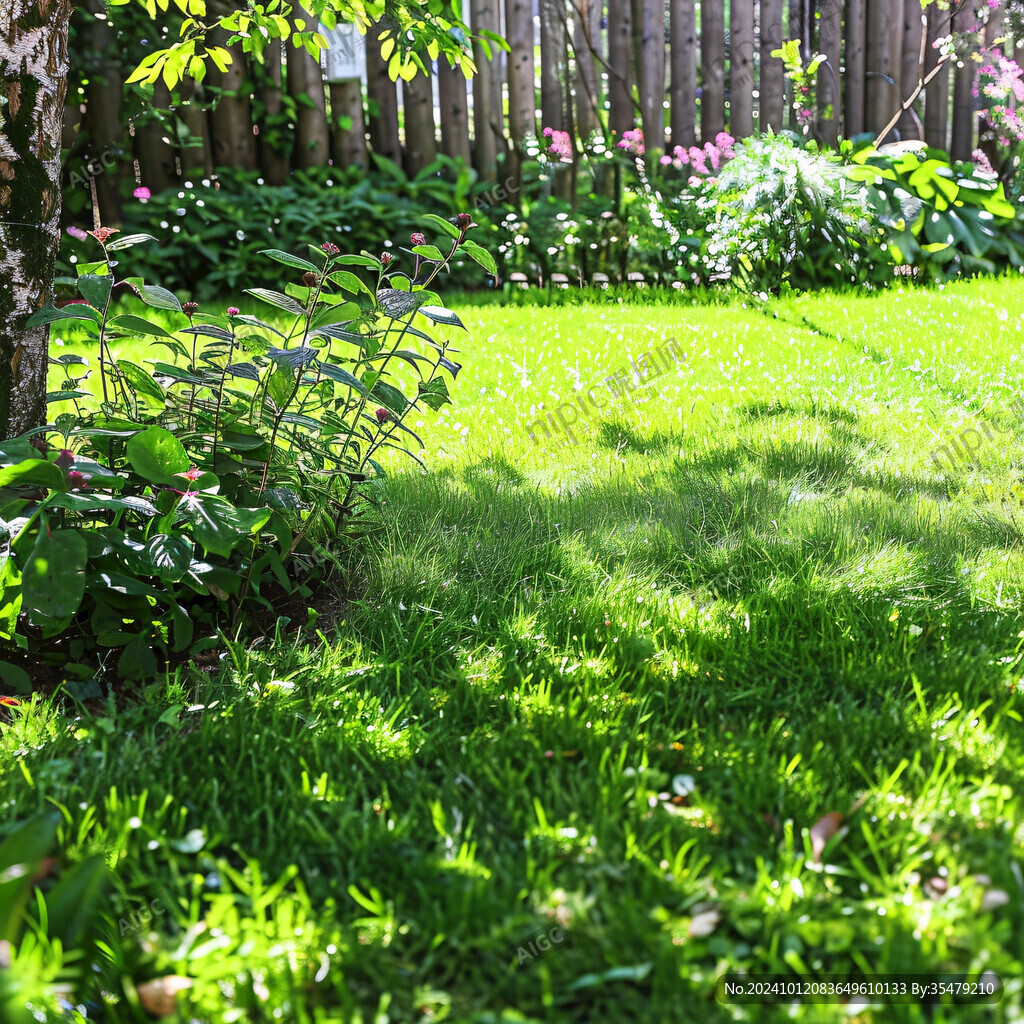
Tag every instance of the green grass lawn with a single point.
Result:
(568, 754)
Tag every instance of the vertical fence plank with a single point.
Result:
(880, 94)
(936, 95)
(712, 66)
(585, 40)
(621, 113)
(651, 72)
(772, 82)
(487, 126)
(553, 64)
(451, 87)
(383, 106)
(741, 68)
(830, 31)
(522, 103)
(854, 68)
(418, 118)
(963, 103)
(911, 68)
(683, 72)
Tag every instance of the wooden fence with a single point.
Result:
(680, 70)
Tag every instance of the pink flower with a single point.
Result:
(665, 160)
(193, 473)
(384, 414)
(78, 480)
(632, 141)
(142, 193)
(77, 233)
(232, 311)
(418, 238)
(561, 145)
(330, 248)
(102, 234)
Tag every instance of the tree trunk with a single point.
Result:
(420, 131)
(274, 160)
(830, 34)
(683, 74)
(487, 121)
(103, 113)
(649, 17)
(33, 81)
(306, 87)
(741, 68)
(348, 145)
(234, 144)
(772, 83)
(854, 82)
(712, 54)
(383, 106)
(936, 97)
(451, 87)
(621, 113)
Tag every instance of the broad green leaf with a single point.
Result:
(219, 526)
(131, 324)
(442, 225)
(429, 252)
(95, 289)
(140, 380)
(72, 311)
(33, 472)
(281, 301)
(389, 396)
(289, 260)
(434, 393)
(440, 315)
(480, 255)
(157, 455)
(128, 241)
(54, 578)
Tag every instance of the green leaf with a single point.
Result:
(285, 302)
(220, 527)
(389, 396)
(54, 579)
(480, 255)
(135, 325)
(289, 260)
(75, 902)
(137, 660)
(72, 311)
(442, 225)
(95, 289)
(429, 252)
(140, 380)
(359, 261)
(128, 241)
(157, 455)
(336, 373)
(20, 856)
(157, 297)
(440, 315)
(348, 282)
(33, 472)
(434, 393)
(281, 384)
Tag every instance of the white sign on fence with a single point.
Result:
(345, 57)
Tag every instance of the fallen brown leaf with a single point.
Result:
(822, 831)
(159, 996)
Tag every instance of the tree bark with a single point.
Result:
(962, 141)
(683, 73)
(585, 26)
(157, 156)
(830, 33)
(881, 95)
(306, 87)
(33, 82)
(553, 64)
(195, 159)
(741, 68)
(712, 54)
(909, 125)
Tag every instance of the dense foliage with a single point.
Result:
(235, 462)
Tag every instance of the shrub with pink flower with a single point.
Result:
(632, 141)
(560, 145)
(703, 161)
(999, 85)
